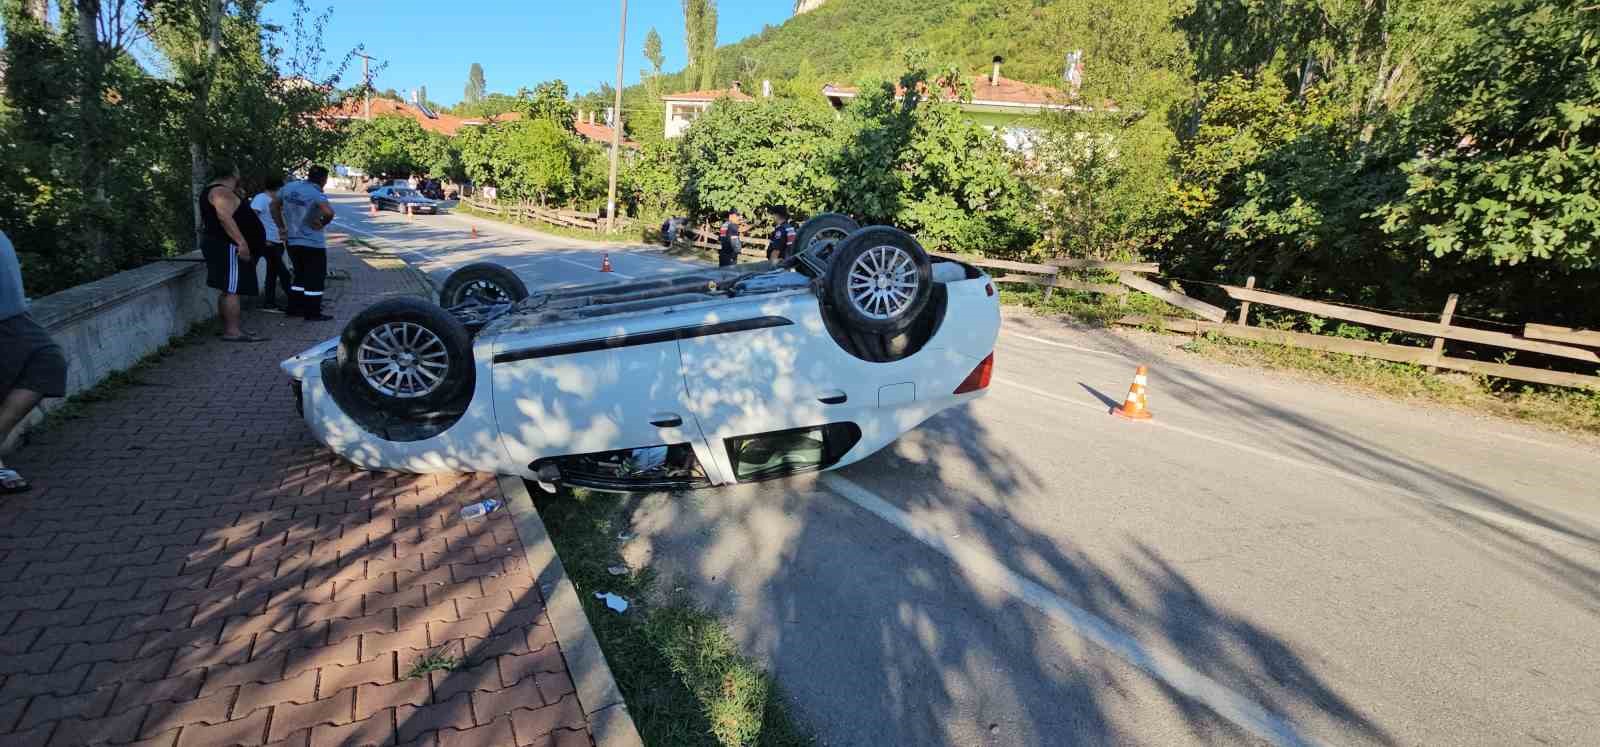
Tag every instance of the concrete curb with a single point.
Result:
(598, 695)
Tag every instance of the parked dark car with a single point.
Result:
(397, 198)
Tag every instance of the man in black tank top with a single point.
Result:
(225, 221)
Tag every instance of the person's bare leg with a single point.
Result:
(16, 406)
(228, 309)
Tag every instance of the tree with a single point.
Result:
(533, 158)
(651, 180)
(1509, 143)
(475, 86)
(920, 164)
(708, 47)
(652, 51)
(700, 41)
(548, 100)
(749, 156)
(394, 145)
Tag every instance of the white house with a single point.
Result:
(685, 108)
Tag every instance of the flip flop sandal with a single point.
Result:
(246, 337)
(12, 483)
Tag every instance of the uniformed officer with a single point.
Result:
(785, 235)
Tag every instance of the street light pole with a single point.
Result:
(366, 86)
(616, 123)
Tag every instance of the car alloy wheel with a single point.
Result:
(483, 290)
(883, 281)
(822, 244)
(403, 360)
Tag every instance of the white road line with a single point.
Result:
(353, 229)
(590, 266)
(1043, 341)
(981, 568)
(1396, 490)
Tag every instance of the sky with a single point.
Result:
(522, 43)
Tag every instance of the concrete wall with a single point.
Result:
(111, 323)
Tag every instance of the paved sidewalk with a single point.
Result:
(193, 569)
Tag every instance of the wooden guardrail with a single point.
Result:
(529, 211)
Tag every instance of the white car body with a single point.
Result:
(698, 373)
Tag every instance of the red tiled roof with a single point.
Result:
(600, 133)
(726, 93)
(352, 108)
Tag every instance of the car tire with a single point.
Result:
(880, 280)
(407, 356)
(819, 237)
(486, 280)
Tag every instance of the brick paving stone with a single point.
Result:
(370, 732)
(260, 590)
(414, 722)
(515, 668)
(569, 738)
(482, 676)
(30, 738)
(497, 732)
(531, 724)
(245, 732)
(299, 689)
(118, 728)
(371, 699)
(493, 704)
(288, 718)
(211, 709)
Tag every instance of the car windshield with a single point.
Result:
(406, 193)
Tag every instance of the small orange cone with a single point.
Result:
(374, 208)
(474, 232)
(605, 262)
(1136, 407)
(410, 215)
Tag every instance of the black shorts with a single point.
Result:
(226, 273)
(33, 360)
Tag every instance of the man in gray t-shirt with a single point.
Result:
(32, 366)
(304, 212)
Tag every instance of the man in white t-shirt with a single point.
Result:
(277, 274)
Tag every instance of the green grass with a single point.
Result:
(1098, 309)
(681, 672)
(433, 662)
(1558, 407)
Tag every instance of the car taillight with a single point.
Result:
(988, 289)
(979, 378)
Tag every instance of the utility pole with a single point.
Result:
(366, 86)
(616, 123)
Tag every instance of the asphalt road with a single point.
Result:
(1268, 561)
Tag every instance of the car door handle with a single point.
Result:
(833, 398)
(666, 420)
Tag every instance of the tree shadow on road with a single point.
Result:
(884, 641)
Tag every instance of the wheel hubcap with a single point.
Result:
(882, 282)
(403, 360)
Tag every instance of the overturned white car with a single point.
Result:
(703, 378)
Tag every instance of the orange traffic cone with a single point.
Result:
(373, 211)
(605, 262)
(1136, 407)
(474, 232)
(410, 215)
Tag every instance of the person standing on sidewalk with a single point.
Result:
(304, 211)
(226, 248)
(728, 241)
(277, 272)
(32, 365)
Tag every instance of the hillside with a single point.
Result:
(1132, 49)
